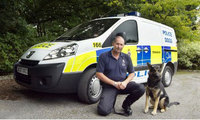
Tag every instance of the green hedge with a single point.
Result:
(189, 55)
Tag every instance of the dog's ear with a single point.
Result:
(159, 68)
(149, 65)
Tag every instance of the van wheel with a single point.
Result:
(89, 88)
(167, 76)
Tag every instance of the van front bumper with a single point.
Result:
(47, 78)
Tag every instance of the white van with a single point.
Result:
(68, 64)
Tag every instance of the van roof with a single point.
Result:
(137, 19)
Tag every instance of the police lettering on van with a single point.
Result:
(68, 64)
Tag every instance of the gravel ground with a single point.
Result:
(20, 103)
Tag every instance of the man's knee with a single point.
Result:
(141, 89)
(103, 111)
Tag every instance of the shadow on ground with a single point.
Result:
(10, 90)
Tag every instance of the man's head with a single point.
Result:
(118, 43)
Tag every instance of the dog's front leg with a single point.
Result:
(147, 102)
(154, 112)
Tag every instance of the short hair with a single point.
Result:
(122, 34)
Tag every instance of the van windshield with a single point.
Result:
(87, 30)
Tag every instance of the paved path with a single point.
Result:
(28, 104)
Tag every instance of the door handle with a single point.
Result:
(138, 50)
(146, 49)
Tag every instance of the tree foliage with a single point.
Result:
(178, 14)
(66, 13)
(26, 22)
(10, 19)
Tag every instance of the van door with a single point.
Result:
(146, 55)
(132, 48)
(128, 27)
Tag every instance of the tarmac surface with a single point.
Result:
(17, 102)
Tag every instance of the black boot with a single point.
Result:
(127, 110)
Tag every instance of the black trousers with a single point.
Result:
(110, 93)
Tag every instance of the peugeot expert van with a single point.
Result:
(68, 64)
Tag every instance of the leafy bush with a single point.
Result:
(12, 46)
(189, 54)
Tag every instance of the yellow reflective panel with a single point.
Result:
(69, 65)
(156, 54)
(44, 45)
(174, 54)
(84, 60)
(131, 51)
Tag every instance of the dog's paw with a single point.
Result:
(146, 110)
(162, 110)
(153, 113)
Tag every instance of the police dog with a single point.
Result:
(156, 91)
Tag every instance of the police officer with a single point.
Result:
(112, 70)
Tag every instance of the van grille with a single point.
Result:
(23, 78)
(29, 62)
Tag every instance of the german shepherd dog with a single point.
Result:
(156, 91)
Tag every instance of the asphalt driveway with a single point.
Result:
(20, 103)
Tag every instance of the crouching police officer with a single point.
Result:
(112, 70)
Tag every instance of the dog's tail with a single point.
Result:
(173, 103)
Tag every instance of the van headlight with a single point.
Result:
(62, 52)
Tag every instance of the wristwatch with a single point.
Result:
(115, 84)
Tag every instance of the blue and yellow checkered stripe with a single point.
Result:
(140, 55)
(81, 62)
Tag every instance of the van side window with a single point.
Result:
(130, 28)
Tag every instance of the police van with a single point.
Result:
(68, 64)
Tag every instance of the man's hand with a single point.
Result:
(117, 85)
(123, 85)
(120, 85)
(125, 82)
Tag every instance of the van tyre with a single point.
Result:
(89, 88)
(167, 76)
